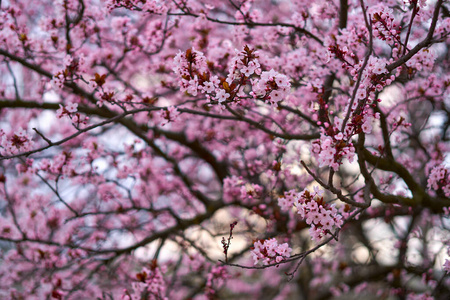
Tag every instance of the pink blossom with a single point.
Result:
(269, 252)
(222, 95)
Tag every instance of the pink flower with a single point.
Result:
(208, 87)
(222, 95)
(247, 71)
(339, 136)
(361, 94)
(276, 96)
(327, 223)
(281, 80)
(366, 127)
(72, 107)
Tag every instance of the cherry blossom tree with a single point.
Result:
(224, 149)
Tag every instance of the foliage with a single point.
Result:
(224, 149)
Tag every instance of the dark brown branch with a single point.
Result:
(343, 13)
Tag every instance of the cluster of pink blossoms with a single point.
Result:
(18, 142)
(73, 66)
(235, 188)
(286, 202)
(191, 67)
(384, 27)
(372, 78)
(194, 77)
(272, 86)
(216, 278)
(149, 6)
(270, 252)
(60, 164)
(150, 285)
(321, 216)
(169, 115)
(440, 178)
(331, 150)
(66, 110)
(375, 65)
(244, 63)
(70, 111)
(423, 60)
